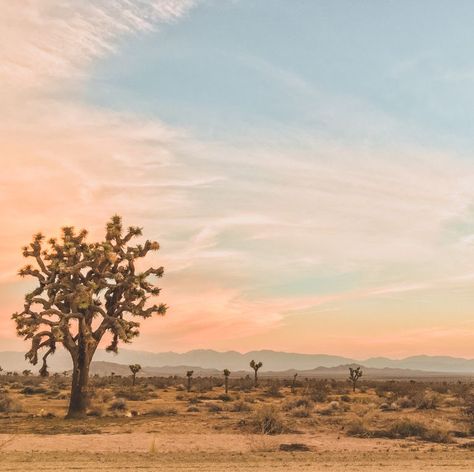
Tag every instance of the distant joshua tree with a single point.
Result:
(135, 368)
(293, 383)
(27, 373)
(255, 366)
(83, 291)
(189, 375)
(354, 375)
(226, 380)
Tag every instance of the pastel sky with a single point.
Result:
(306, 165)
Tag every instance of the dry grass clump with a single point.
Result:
(274, 389)
(333, 408)
(8, 404)
(241, 406)
(97, 411)
(158, 411)
(214, 408)
(427, 401)
(300, 408)
(119, 405)
(400, 429)
(136, 394)
(268, 420)
(317, 391)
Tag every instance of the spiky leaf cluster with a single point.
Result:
(255, 365)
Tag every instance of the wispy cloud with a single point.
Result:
(52, 39)
(250, 228)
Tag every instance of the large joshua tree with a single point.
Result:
(255, 366)
(85, 291)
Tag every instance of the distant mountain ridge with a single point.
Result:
(275, 361)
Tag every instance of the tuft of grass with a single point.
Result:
(119, 405)
(157, 411)
(8, 404)
(268, 420)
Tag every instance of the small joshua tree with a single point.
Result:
(26, 373)
(354, 375)
(226, 380)
(255, 366)
(83, 291)
(189, 375)
(135, 368)
(293, 383)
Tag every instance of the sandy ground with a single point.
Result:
(223, 452)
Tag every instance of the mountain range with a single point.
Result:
(273, 361)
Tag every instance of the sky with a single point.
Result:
(307, 166)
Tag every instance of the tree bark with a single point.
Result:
(79, 401)
(256, 379)
(226, 384)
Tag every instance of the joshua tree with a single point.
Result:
(83, 291)
(255, 366)
(354, 375)
(26, 373)
(226, 380)
(293, 383)
(135, 368)
(189, 375)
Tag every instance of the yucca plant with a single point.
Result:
(354, 375)
(189, 375)
(135, 368)
(226, 380)
(255, 366)
(83, 291)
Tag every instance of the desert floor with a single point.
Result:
(169, 429)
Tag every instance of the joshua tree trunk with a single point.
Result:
(134, 378)
(226, 384)
(80, 381)
(189, 384)
(256, 379)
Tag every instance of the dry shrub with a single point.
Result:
(119, 405)
(302, 412)
(294, 447)
(405, 428)
(96, 410)
(427, 401)
(241, 406)
(331, 409)
(214, 408)
(357, 427)
(317, 391)
(158, 411)
(267, 420)
(225, 398)
(289, 405)
(8, 404)
(135, 394)
(273, 389)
